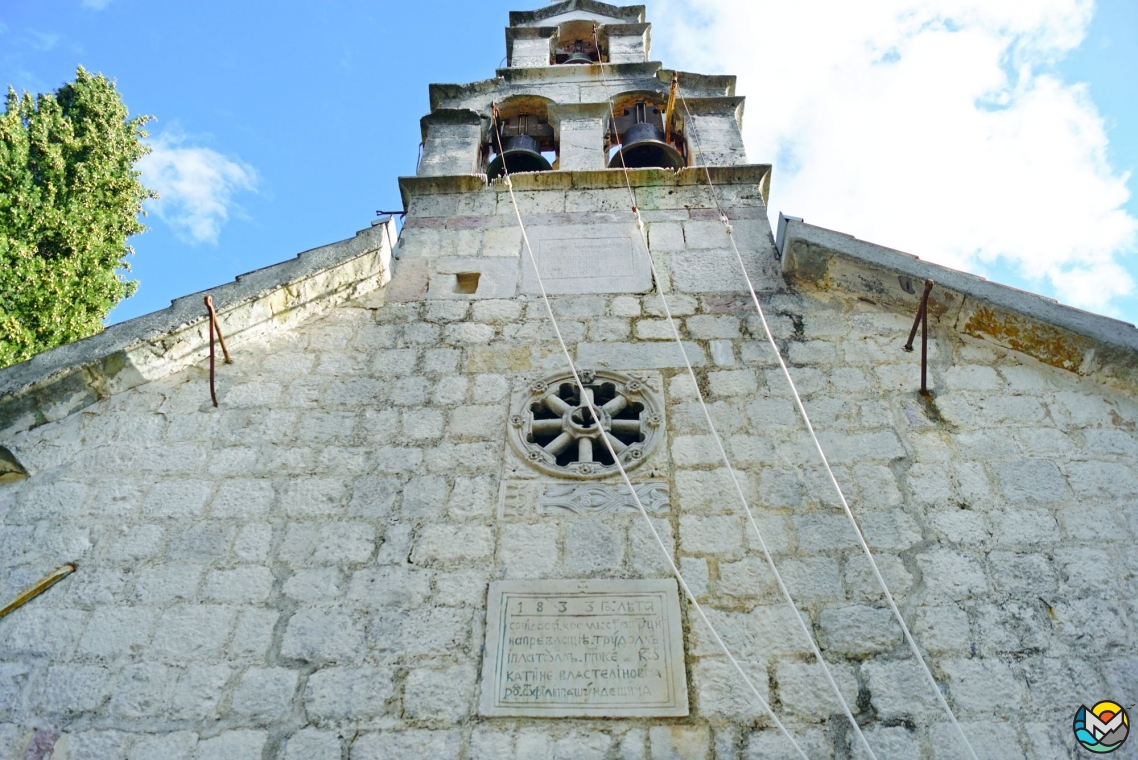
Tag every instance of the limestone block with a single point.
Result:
(496, 311)
(722, 695)
(812, 579)
(680, 742)
(143, 691)
(241, 498)
(805, 691)
(721, 536)
(716, 270)
(450, 149)
(1013, 627)
(580, 132)
(644, 554)
(887, 743)
(679, 304)
(625, 306)
(462, 458)
(253, 633)
(859, 630)
(983, 686)
(732, 382)
(114, 631)
(491, 743)
(189, 632)
(748, 578)
(654, 329)
(198, 692)
(435, 631)
(265, 693)
(763, 632)
(70, 690)
(862, 584)
(179, 745)
(772, 744)
(313, 744)
(323, 635)
(592, 549)
(951, 574)
(722, 353)
(528, 551)
(390, 586)
(445, 544)
(243, 585)
(899, 689)
(439, 695)
(253, 542)
(695, 450)
(478, 421)
(355, 693)
(624, 356)
(695, 572)
(1033, 481)
(424, 497)
(234, 745)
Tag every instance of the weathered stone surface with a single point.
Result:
(580, 648)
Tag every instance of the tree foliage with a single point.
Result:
(69, 199)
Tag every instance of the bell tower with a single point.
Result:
(580, 116)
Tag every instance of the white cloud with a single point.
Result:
(935, 127)
(196, 185)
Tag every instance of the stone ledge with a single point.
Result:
(55, 383)
(1062, 336)
(595, 179)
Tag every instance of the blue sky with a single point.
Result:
(283, 126)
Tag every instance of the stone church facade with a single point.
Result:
(304, 571)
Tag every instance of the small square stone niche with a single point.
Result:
(466, 283)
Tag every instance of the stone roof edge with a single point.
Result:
(636, 12)
(1041, 327)
(56, 383)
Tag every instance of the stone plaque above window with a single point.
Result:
(553, 429)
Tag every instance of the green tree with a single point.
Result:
(69, 199)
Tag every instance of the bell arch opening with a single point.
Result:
(576, 45)
(524, 140)
(642, 133)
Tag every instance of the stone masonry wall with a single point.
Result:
(301, 573)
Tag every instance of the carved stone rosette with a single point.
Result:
(552, 428)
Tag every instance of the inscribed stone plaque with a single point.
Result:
(600, 258)
(606, 648)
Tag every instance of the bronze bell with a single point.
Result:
(643, 146)
(579, 58)
(520, 153)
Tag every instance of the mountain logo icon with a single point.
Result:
(1102, 728)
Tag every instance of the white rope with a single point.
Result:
(722, 451)
(587, 399)
(821, 453)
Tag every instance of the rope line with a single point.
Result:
(623, 473)
(822, 454)
(722, 450)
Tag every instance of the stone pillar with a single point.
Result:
(628, 43)
(452, 143)
(718, 125)
(529, 46)
(580, 133)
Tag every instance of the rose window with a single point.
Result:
(555, 430)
